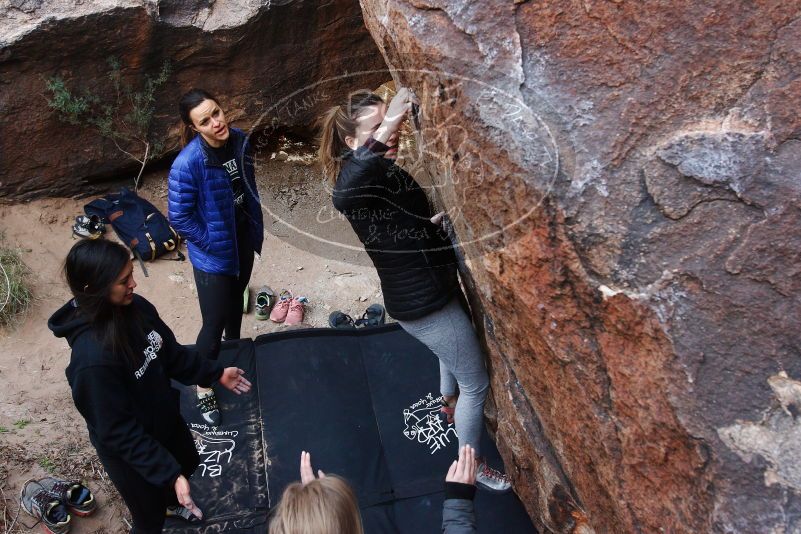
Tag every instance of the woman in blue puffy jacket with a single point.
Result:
(214, 205)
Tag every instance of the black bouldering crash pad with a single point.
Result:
(365, 403)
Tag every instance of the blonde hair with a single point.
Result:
(338, 123)
(323, 506)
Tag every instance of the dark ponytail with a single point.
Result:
(192, 99)
(91, 269)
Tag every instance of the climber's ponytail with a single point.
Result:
(338, 123)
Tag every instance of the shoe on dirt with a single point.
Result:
(207, 404)
(75, 495)
(281, 308)
(265, 299)
(89, 227)
(46, 509)
(341, 320)
(182, 513)
(294, 315)
(490, 479)
(375, 315)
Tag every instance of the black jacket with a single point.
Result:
(390, 214)
(132, 412)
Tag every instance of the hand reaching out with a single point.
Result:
(463, 470)
(306, 471)
(233, 378)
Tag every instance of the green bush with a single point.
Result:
(15, 291)
(125, 117)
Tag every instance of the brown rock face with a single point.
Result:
(253, 55)
(625, 179)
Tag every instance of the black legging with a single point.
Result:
(220, 299)
(146, 502)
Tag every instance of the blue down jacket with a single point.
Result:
(201, 205)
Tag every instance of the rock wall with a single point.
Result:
(253, 55)
(625, 179)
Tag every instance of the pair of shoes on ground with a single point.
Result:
(89, 227)
(375, 315)
(53, 501)
(288, 310)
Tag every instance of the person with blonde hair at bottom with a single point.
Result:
(326, 504)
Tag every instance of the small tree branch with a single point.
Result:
(125, 151)
(142, 168)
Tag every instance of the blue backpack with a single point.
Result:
(138, 224)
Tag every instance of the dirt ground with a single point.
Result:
(306, 250)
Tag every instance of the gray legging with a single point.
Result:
(449, 334)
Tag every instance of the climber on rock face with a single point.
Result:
(413, 255)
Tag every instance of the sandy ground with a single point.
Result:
(41, 432)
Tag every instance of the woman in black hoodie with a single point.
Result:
(123, 357)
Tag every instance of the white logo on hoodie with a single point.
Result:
(150, 352)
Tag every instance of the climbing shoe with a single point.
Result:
(77, 497)
(490, 479)
(182, 513)
(207, 404)
(46, 509)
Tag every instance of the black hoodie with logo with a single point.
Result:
(132, 411)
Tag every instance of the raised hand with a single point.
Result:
(397, 111)
(233, 378)
(463, 470)
(306, 471)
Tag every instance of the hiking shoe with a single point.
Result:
(76, 496)
(338, 319)
(207, 404)
(46, 509)
(490, 479)
(295, 313)
(281, 308)
(182, 513)
(375, 315)
(265, 299)
(89, 227)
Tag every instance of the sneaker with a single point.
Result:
(490, 479)
(89, 227)
(76, 496)
(245, 300)
(341, 320)
(46, 509)
(295, 313)
(281, 308)
(265, 299)
(182, 513)
(207, 404)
